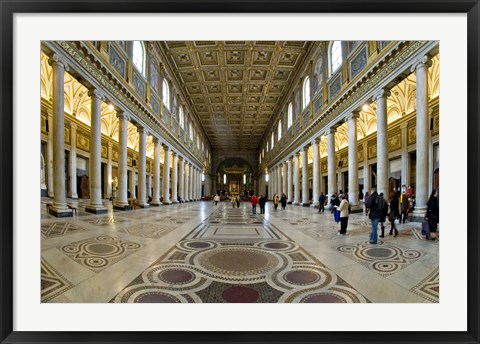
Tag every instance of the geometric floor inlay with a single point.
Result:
(58, 229)
(100, 252)
(429, 288)
(149, 230)
(52, 283)
(105, 221)
(385, 259)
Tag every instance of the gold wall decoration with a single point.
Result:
(83, 142)
(129, 160)
(104, 151)
(66, 134)
(115, 155)
(412, 135)
(372, 149)
(436, 124)
(43, 124)
(360, 154)
(324, 165)
(394, 142)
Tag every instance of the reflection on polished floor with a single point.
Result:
(199, 252)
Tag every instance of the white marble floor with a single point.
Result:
(199, 252)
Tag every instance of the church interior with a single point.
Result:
(154, 152)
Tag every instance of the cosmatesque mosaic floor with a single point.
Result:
(201, 253)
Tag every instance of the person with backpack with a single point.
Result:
(374, 210)
(321, 201)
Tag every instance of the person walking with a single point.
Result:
(383, 213)
(254, 201)
(394, 213)
(321, 201)
(283, 201)
(365, 202)
(404, 205)
(238, 201)
(261, 202)
(344, 213)
(275, 201)
(216, 199)
(374, 211)
(433, 213)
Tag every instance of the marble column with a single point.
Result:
(278, 180)
(156, 172)
(166, 176)
(331, 162)
(190, 180)
(289, 181)
(181, 178)
(353, 159)
(186, 182)
(382, 147)
(296, 179)
(142, 168)
(366, 170)
(305, 195)
(284, 178)
(195, 183)
(131, 185)
(175, 178)
(50, 155)
(109, 174)
(59, 207)
(96, 205)
(422, 133)
(121, 201)
(405, 165)
(316, 172)
(72, 163)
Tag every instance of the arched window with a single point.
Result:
(166, 94)
(290, 115)
(273, 140)
(190, 131)
(306, 92)
(138, 57)
(267, 146)
(181, 117)
(335, 56)
(279, 129)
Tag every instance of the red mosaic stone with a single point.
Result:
(323, 298)
(155, 298)
(302, 277)
(240, 295)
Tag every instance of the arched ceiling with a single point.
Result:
(234, 86)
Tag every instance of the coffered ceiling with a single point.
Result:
(234, 86)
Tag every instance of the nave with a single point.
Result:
(197, 252)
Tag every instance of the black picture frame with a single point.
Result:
(10, 7)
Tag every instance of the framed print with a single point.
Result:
(162, 125)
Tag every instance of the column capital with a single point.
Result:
(383, 93)
(354, 115)
(404, 125)
(122, 115)
(155, 140)
(110, 144)
(306, 146)
(96, 93)
(165, 146)
(174, 153)
(331, 130)
(316, 141)
(73, 126)
(421, 62)
(180, 158)
(297, 154)
(57, 60)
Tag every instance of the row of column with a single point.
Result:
(283, 171)
(188, 186)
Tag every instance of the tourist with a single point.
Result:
(383, 213)
(275, 201)
(254, 202)
(216, 199)
(433, 213)
(238, 201)
(365, 202)
(394, 213)
(404, 205)
(283, 201)
(344, 213)
(261, 202)
(321, 203)
(374, 214)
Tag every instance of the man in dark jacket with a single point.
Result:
(261, 202)
(321, 201)
(375, 212)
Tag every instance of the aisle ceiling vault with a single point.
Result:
(235, 87)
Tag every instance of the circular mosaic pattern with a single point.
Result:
(411, 254)
(176, 276)
(155, 297)
(323, 298)
(347, 249)
(101, 249)
(385, 267)
(238, 261)
(302, 277)
(198, 244)
(96, 262)
(240, 295)
(379, 252)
